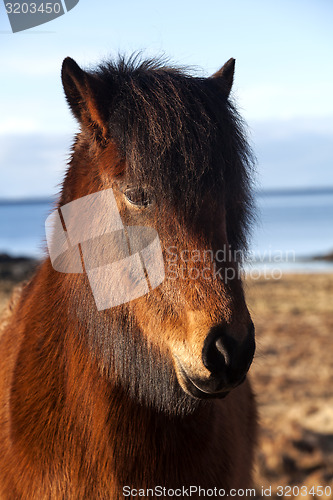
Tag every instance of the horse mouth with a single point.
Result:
(199, 389)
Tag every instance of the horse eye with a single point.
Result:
(139, 196)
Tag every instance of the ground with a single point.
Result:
(292, 375)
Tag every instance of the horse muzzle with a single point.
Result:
(226, 359)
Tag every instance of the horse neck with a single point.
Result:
(67, 401)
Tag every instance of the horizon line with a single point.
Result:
(292, 191)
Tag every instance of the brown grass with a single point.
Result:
(293, 379)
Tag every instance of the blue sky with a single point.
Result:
(283, 82)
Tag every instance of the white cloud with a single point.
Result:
(15, 124)
(294, 153)
(32, 165)
(285, 100)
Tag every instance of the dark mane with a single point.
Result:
(180, 133)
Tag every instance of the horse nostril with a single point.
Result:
(222, 350)
(216, 354)
(224, 356)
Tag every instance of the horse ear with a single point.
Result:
(83, 93)
(225, 76)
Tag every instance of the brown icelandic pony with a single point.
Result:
(105, 404)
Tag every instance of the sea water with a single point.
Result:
(290, 229)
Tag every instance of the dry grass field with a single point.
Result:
(292, 377)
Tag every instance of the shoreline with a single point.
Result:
(16, 269)
(20, 268)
